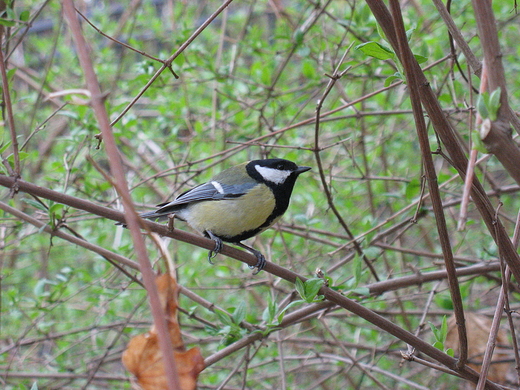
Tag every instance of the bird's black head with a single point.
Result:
(275, 172)
(279, 175)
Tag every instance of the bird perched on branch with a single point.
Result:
(237, 204)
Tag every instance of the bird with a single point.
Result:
(236, 204)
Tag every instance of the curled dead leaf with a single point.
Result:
(143, 356)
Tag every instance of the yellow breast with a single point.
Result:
(232, 217)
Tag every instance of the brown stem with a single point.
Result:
(132, 219)
(10, 117)
(407, 59)
(499, 140)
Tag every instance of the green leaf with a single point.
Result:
(308, 69)
(298, 37)
(270, 311)
(10, 11)
(21, 155)
(4, 147)
(450, 352)
(11, 73)
(380, 32)
(465, 290)
(357, 269)
(303, 51)
(494, 104)
(300, 288)
(477, 142)
(240, 313)
(444, 301)
(482, 104)
(412, 188)
(420, 59)
(329, 281)
(40, 289)
(224, 317)
(488, 105)
(365, 291)
(290, 305)
(409, 33)
(396, 76)
(7, 23)
(444, 329)
(56, 208)
(35, 204)
(376, 50)
(24, 16)
(435, 331)
(69, 114)
(311, 287)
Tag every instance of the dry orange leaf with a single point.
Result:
(143, 356)
(477, 328)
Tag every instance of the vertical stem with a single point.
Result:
(120, 184)
(407, 59)
(10, 116)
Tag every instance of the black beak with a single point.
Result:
(301, 170)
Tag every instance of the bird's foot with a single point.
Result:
(260, 259)
(260, 264)
(218, 246)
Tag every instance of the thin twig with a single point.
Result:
(507, 307)
(463, 214)
(168, 62)
(118, 41)
(335, 77)
(498, 140)
(114, 257)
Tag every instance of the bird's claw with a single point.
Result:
(218, 247)
(260, 264)
(211, 255)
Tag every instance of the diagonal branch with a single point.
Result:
(330, 294)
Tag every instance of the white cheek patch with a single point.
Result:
(218, 187)
(275, 176)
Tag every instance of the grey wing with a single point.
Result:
(212, 190)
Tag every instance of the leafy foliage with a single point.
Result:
(248, 87)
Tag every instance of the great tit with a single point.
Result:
(236, 204)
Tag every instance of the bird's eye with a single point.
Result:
(280, 167)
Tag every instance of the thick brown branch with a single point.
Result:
(451, 143)
(408, 60)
